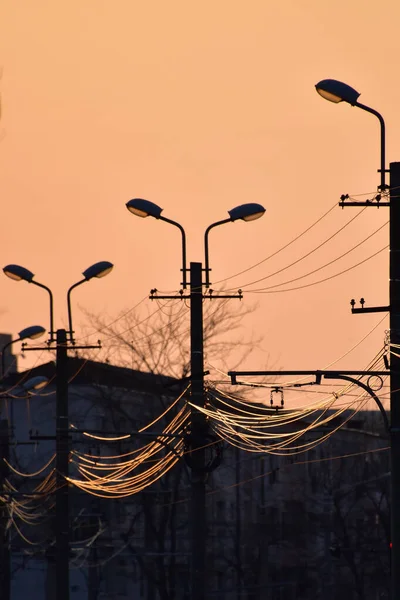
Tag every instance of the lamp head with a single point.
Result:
(337, 91)
(247, 212)
(32, 332)
(35, 383)
(99, 269)
(17, 273)
(144, 208)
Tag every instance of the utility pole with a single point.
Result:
(4, 535)
(18, 273)
(394, 312)
(196, 457)
(394, 372)
(62, 464)
(198, 433)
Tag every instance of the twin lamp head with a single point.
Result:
(145, 208)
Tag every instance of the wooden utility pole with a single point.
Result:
(198, 436)
(62, 464)
(394, 312)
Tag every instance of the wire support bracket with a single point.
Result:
(351, 376)
(369, 309)
(97, 346)
(374, 202)
(182, 296)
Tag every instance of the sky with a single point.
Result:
(199, 107)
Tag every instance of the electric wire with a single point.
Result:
(280, 249)
(331, 262)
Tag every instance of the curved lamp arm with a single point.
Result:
(179, 226)
(51, 332)
(206, 253)
(71, 331)
(383, 185)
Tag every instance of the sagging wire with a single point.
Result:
(300, 287)
(280, 249)
(119, 481)
(331, 237)
(328, 264)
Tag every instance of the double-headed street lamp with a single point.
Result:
(62, 340)
(198, 431)
(337, 91)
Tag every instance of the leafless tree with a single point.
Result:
(159, 341)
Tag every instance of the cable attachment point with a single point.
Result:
(279, 391)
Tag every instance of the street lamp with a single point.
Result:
(98, 270)
(145, 208)
(245, 212)
(19, 273)
(34, 384)
(199, 426)
(32, 333)
(62, 525)
(337, 91)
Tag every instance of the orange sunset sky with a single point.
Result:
(199, 107)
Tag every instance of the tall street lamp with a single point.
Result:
(336, 91)
(19, 273)
(198, 430)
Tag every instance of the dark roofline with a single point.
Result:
(89, 372)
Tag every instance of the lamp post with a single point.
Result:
(32, 333)
(18, 273)
(198, 429)
(336, 91)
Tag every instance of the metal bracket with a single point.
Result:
(98, 346)
(210, 296)
(370, 309)
(375, 202)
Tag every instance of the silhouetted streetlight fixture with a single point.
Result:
(32, 333)
(34, 384)
(98, 270)
(245, 212)
(145, 208)
(19, 273)
(198, 427)
(62, 526)
(337, 91)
